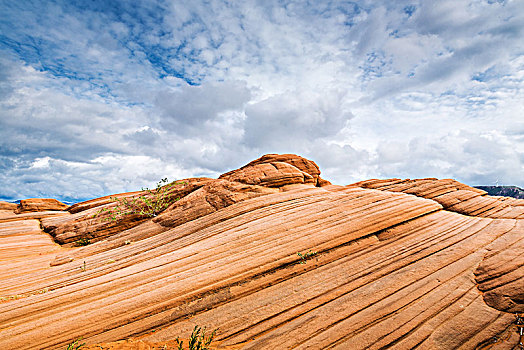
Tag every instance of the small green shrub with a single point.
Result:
(304, 257)
(198, 340)
(149, 204)
(82, 242)
(75, 345)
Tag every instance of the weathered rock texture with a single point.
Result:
(8, 206)
(40, 204)
(400, 264)
(277, 170)
(453, 196)
(33, 208)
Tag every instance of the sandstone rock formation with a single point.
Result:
(40, 204)
(277, 170)
(8, 206)
(7, 209)
(454, 196)
(399, 264)
(33, 208)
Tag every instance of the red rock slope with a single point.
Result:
(400, 264)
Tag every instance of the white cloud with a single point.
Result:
(70, 180)
(295, 119)
(186, 111)
(40, 163)
(470, 157)
(101, 98)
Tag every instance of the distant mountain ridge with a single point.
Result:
(507, 191)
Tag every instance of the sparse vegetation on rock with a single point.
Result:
(75, 345)
(82, 242)
(197, 340)
(306, 256)
(148, 204)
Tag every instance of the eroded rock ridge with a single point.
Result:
(397, 264)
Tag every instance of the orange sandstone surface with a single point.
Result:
(399, 264)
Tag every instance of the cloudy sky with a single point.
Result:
(99, 97)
